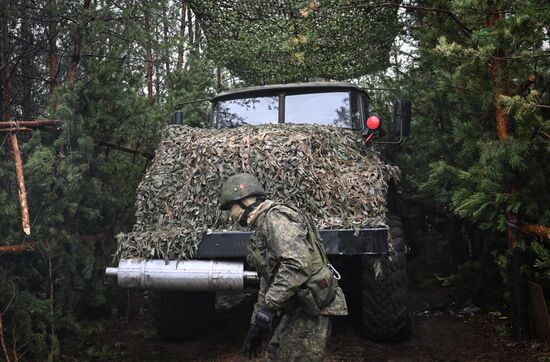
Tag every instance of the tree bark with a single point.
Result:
(190, 26)
(148, 54)
(26, 67)
(77, 45)
(14, 341)
(197, 39)
(218, 80)
(538, 230)
(25, 220)
(149, 71)
(181, 42)
(52, 41)
(29, 124)
(3, 339)
(15, 129)
(157, 64)
(6, 94)
(165, 37)
(10, 250)
(52, 309)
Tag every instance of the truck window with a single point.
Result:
(332, 109)
(247, 111)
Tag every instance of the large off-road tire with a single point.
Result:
(181, 315)
(385, 316)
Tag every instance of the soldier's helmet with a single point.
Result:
(239, 187)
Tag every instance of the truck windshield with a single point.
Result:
(339, 109)
(247, 111)
(331, 109)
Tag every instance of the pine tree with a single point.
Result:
(80, 190)
(480, 88)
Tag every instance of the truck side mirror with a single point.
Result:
(402, 117)
(177, 117)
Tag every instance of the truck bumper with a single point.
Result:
(216, 274)
(364, 241)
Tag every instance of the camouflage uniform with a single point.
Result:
(295, 281)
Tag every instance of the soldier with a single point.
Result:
(297, 282)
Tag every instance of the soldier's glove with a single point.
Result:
(253, 342)
(264, 318)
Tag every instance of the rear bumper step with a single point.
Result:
(233, 244)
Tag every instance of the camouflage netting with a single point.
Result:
(322, 169)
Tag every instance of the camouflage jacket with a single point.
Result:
(287, 259)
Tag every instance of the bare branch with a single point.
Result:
(11, 300)
(538, 230)
(10, 250)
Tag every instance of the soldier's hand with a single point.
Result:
(264, 318)
(253, 342)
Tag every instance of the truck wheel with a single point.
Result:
(385, 317)
(181, 315)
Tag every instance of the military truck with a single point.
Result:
(371, 260)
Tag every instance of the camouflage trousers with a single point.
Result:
(299, 337)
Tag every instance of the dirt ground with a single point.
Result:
(442, 330)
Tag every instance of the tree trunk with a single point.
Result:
(197, 34)
(190, 27)
(21, 184)
(77, 44)
(52, 41)
(218, 80)
(3, 340)
(517, 279)
(52, 305)
(10, 250)
(26, 67)
(6, 103)
(165, 38)
(148, 54)
(6, 57)
(157, 65)
(181, 41)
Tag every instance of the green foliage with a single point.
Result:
(80, 191)
(75, 187)
(460, 164)
(475, 276)
(184, 88)
(542, 261)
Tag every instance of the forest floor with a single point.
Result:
(444, 328)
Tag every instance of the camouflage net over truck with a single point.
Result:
(324, 170)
